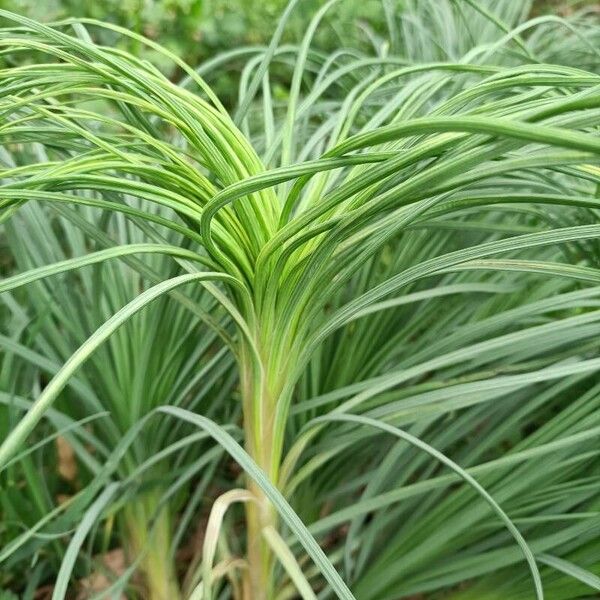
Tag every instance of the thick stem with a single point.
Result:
(150, 536)
(259, 555)
(259, 392)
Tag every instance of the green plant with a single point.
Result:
(396, 263)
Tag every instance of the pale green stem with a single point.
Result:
(150, 536)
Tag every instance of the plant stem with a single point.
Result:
(260, 390)
(260, 558)
(150, 536)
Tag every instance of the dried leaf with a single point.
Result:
(113, 564)
(67, 465)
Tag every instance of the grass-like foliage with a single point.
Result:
(339, 340)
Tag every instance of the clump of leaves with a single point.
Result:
(389, 273)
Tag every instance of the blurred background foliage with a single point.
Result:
(197, 29)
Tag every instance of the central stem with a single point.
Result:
(260, 389)
(260, 558)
